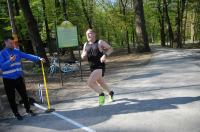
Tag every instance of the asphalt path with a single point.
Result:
(161, 96)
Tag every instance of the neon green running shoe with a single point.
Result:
(101, 99)
(111, 94)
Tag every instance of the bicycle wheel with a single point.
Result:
(52, 70)
(64, 69)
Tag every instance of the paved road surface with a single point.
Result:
(163, 96)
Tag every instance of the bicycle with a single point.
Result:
(68, 67)
(54, 66)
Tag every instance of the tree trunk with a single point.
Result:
(177, 25)
(133, 26)
(86, 13)
(47, 28)
(171, 34)
(186, 15)
(162, 23)
(127, 42)
(133, 37)
(183, 6)
(179, 17)
(64, 10)
(192, 26)
(143, 43)
(33, 29)
(122, 41)
(16, 8)
(124, 5)
(12, 18)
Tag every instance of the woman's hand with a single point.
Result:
(103, 59)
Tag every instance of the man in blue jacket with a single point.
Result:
(11, 68)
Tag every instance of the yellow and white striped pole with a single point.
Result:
(46, 89)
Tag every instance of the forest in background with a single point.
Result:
(130, 24)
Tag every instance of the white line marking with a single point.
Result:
(87, 129)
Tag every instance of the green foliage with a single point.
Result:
(152, 22)
(197, 20)
(107, 18)
(5, 28)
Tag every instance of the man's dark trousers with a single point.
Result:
(10, 85)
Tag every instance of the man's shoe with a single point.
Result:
(101, 99)
(111, 95)
(18, 116)
(31, 113)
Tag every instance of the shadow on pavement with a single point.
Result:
(96, 115)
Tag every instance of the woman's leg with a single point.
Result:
(103, 84)
(92, 81)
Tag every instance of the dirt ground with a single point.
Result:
(73, 85)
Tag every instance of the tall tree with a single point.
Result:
(12, 19)
(124, 4)
(179, 17)
(46, 27)
(193, 25)
(33, 29)
(171, 34)
(142, 43)
(185, 22)
(161, 22)
(88, 11)
(64, 9)
(16, 8)
(133, 25)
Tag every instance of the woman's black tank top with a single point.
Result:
(94, 56)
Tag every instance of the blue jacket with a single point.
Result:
(13, 70)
